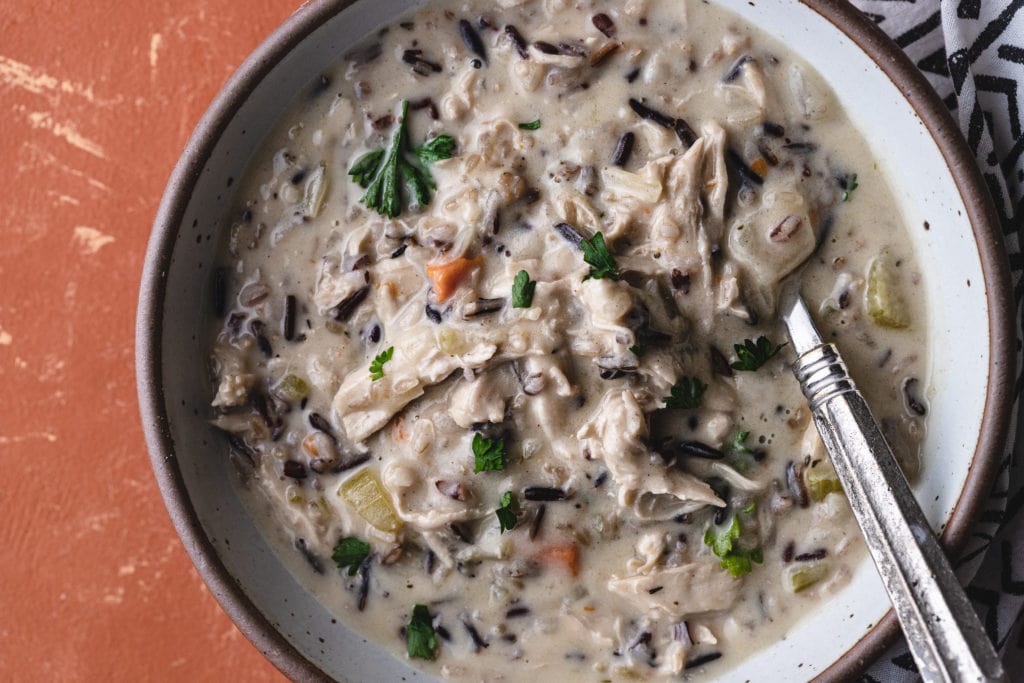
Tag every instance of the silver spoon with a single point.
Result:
(943, 632)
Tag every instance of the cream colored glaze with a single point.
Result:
(643, 566)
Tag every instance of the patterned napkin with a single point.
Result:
(972, 52)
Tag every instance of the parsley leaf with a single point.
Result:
(488, 453)
(737, 561)
(530, 125)
(687, 393)
(507, 512)
(749, 509)
(750, 356)
(739, 443)
(740, 562)
(851, 185)
(388, 175)
(350, 552)
(366, 167)
(419, 634)
(377, 366)
(522, 290)
(596, 254)
(741, 456)
(436, 149)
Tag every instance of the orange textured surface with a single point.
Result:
(97, 101)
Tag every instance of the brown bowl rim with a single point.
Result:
(981, 214)
(310, 16)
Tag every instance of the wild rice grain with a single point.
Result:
(701, 660)
(472, 39)
(623, 149)
(518, 42)
(604, 24)
(570, 234)
(257, 329)
(289, 317)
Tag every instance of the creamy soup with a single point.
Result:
(498, 349)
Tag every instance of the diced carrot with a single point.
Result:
(563, 554)
(309, 445)
(448, 276)
(759, 166)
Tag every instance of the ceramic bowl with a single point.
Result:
(944, 205)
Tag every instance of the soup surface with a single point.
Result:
(498, 352)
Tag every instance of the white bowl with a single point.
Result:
(943, 201)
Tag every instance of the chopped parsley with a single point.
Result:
(851, 185)
(735, 560)
(350, 552)
(741, 456)
(488, 453)
(507, 512)
(419, 634)
(377, 365)
(749, 509)
(739, 443)
(388, 175)
(750, 356)
(601, 262)
(522, 290)
(530, 125)
(436, 149)
(687, 393)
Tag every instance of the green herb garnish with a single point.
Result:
(741, 456)
(436, 149)
(488, 453)
(636, 350)
(601, 262)
(851, 185)
(687, 393)
(377, 365)
(419, 634)
(350, 552)
(735, 560)
(739, 443)
(750, 356)
(530, 125)
(387, 174)
(522, 290)
(749, 509)
(507, 512)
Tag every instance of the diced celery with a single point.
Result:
(294, 495)
(821, 480)
(292, 388)
(449, 341)
(364, 492)
(804, 575)
(884, 303)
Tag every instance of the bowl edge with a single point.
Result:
(245, 615)
(306, 19)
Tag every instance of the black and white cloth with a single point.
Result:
(972, 52)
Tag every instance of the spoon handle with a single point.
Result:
(942, 630)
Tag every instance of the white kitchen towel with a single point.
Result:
(972, 52)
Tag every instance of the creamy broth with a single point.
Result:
(548, 399)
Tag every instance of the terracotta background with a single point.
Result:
(97, 100)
